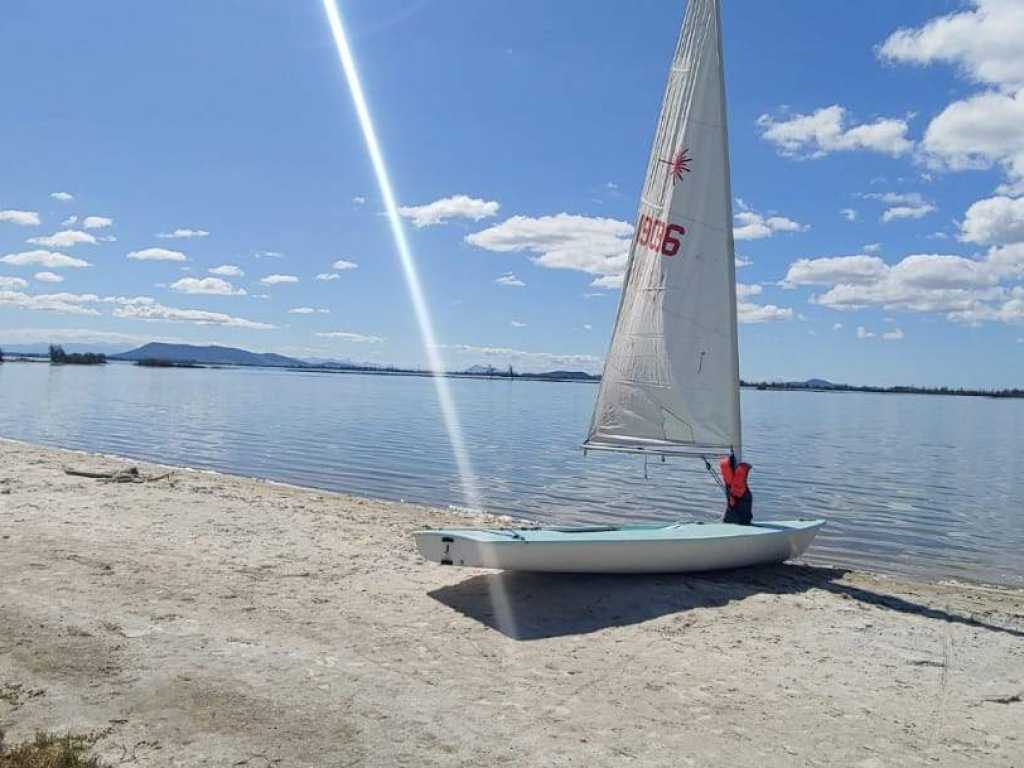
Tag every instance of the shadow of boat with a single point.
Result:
(546, 605)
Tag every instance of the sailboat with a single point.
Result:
(670, 385)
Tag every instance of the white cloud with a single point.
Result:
(359, 200)
(1009, 309)
(456, 207)
(61, 303)
(872, 248)
(985, 43)
(864, 333)
(588, 327)
(145, 308)
(748, 312)
(308, 311)
(97, 222)
(902, 205)
(227, 270)
(896, 198)
(824, 131)
(12, 283)
(64, 197)
(965, 290)
(69, 221)
(837, 326)
(183, 234)
(213, 286)
(853, 270)
(64, 239)
(756, 313)
(611, 185)
(341, 265)
(849, 214)
(994, 220)
(1007, 260)
(278, 279)
(608, 282)
(328, 276)
(510, 280)
(907, 212)
(979, 132)
(48, 259)
(49, 277)
(157, 254)
(896, 334)
(751, 225)
(23, 218)
(596, 246)
(358, 338)
(742, 262)
(81, 335)
(517, 324)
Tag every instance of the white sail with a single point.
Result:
(671, 378)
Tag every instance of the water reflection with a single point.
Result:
(918, 485)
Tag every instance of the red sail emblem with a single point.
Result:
(678, 165)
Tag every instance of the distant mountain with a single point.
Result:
(819, 384)
(187, 353)
(566, 375)
(500, 373)
(344, 362)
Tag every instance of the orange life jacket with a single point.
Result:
(735, 478)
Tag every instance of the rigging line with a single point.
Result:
(718, 482)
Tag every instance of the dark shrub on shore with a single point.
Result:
(48, 750)
(59, 356)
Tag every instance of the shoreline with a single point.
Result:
(213, 619)
(483, 517)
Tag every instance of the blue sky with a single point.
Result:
(877, 161)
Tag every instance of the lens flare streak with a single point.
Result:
(470, 493)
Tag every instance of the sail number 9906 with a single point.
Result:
(659, 236)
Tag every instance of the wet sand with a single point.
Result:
(209, 620)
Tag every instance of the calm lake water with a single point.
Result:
(917, 485)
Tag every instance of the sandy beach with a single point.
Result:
(209, 620)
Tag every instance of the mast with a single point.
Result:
(733, 314)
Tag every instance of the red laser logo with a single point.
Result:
(678, 165)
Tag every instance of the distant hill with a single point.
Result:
(819, 384)
(343, 363)
(807, 384)
(566, 376)
(187, 353)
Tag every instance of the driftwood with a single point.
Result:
(130, 475)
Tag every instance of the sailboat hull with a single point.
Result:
(677, 548)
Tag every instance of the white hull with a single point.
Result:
(677, 548)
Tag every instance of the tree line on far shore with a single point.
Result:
(60, 357)
(798, 386)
